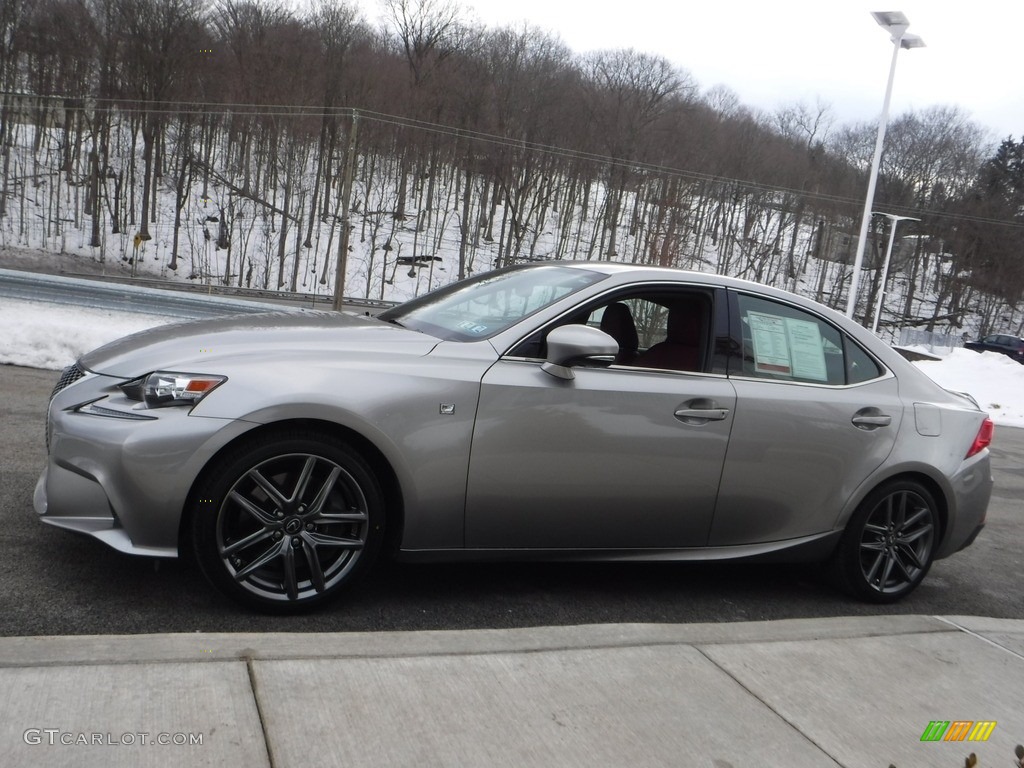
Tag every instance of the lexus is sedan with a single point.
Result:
(559, 411)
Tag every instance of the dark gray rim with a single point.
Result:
(292, 527)
(896, 543)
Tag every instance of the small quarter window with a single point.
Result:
(860, 366)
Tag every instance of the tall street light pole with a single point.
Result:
(893, 221)
(896, 24)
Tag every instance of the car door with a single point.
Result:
(815, 416)
(617, 458)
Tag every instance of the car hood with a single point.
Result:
(279, 337)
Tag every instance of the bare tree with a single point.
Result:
(338, 28)
(989, 239)
(159, 50)
(628, 92)
(807, 128)
(429, 31)
(932, 157)
(11, 14)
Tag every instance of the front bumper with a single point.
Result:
(122, 473)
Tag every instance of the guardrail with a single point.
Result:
(176, 300)
(313, 300)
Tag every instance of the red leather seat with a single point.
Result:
(681, 349)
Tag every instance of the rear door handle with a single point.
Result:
(870, 418)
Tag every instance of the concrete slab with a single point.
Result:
(205, 647)
(856, 691)
(130, 714)
(1006, 633)
(651, 706)
(868, 701)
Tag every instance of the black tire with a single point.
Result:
(287, 521)
(889, 543)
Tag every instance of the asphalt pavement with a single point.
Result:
(873, 691)
(60, 583)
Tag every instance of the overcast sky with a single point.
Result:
(777, 53)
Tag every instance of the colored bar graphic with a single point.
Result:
(958, 730)
(982, 730)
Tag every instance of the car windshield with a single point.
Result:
(482, 306)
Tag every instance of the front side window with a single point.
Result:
(783, 343)
(655, 327)
(488, 304)
(660, 329)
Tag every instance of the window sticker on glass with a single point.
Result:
(771, 351)
(807, 350)
(788, 347)
(471, 326)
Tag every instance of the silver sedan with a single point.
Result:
(571, 411)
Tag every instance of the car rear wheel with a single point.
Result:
(287, 521)
(889, 543)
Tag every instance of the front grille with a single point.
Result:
(68, 376)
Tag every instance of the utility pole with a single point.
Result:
(346, 208)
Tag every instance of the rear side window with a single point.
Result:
(784, 343)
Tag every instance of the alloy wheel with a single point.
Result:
(292, 527)
(897, 541)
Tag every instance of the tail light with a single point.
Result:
(983, 438)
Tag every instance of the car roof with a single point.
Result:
(674, 274)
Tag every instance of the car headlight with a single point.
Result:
(165, 388)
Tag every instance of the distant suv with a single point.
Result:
(1008, 345)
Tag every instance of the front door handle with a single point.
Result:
(701, 411)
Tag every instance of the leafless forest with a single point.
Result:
(254, 145)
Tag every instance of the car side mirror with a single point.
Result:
(570, 345)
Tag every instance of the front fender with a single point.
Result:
(421, 422)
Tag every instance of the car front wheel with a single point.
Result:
(889, 543)
(287, 520)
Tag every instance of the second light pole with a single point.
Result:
(893, 221)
